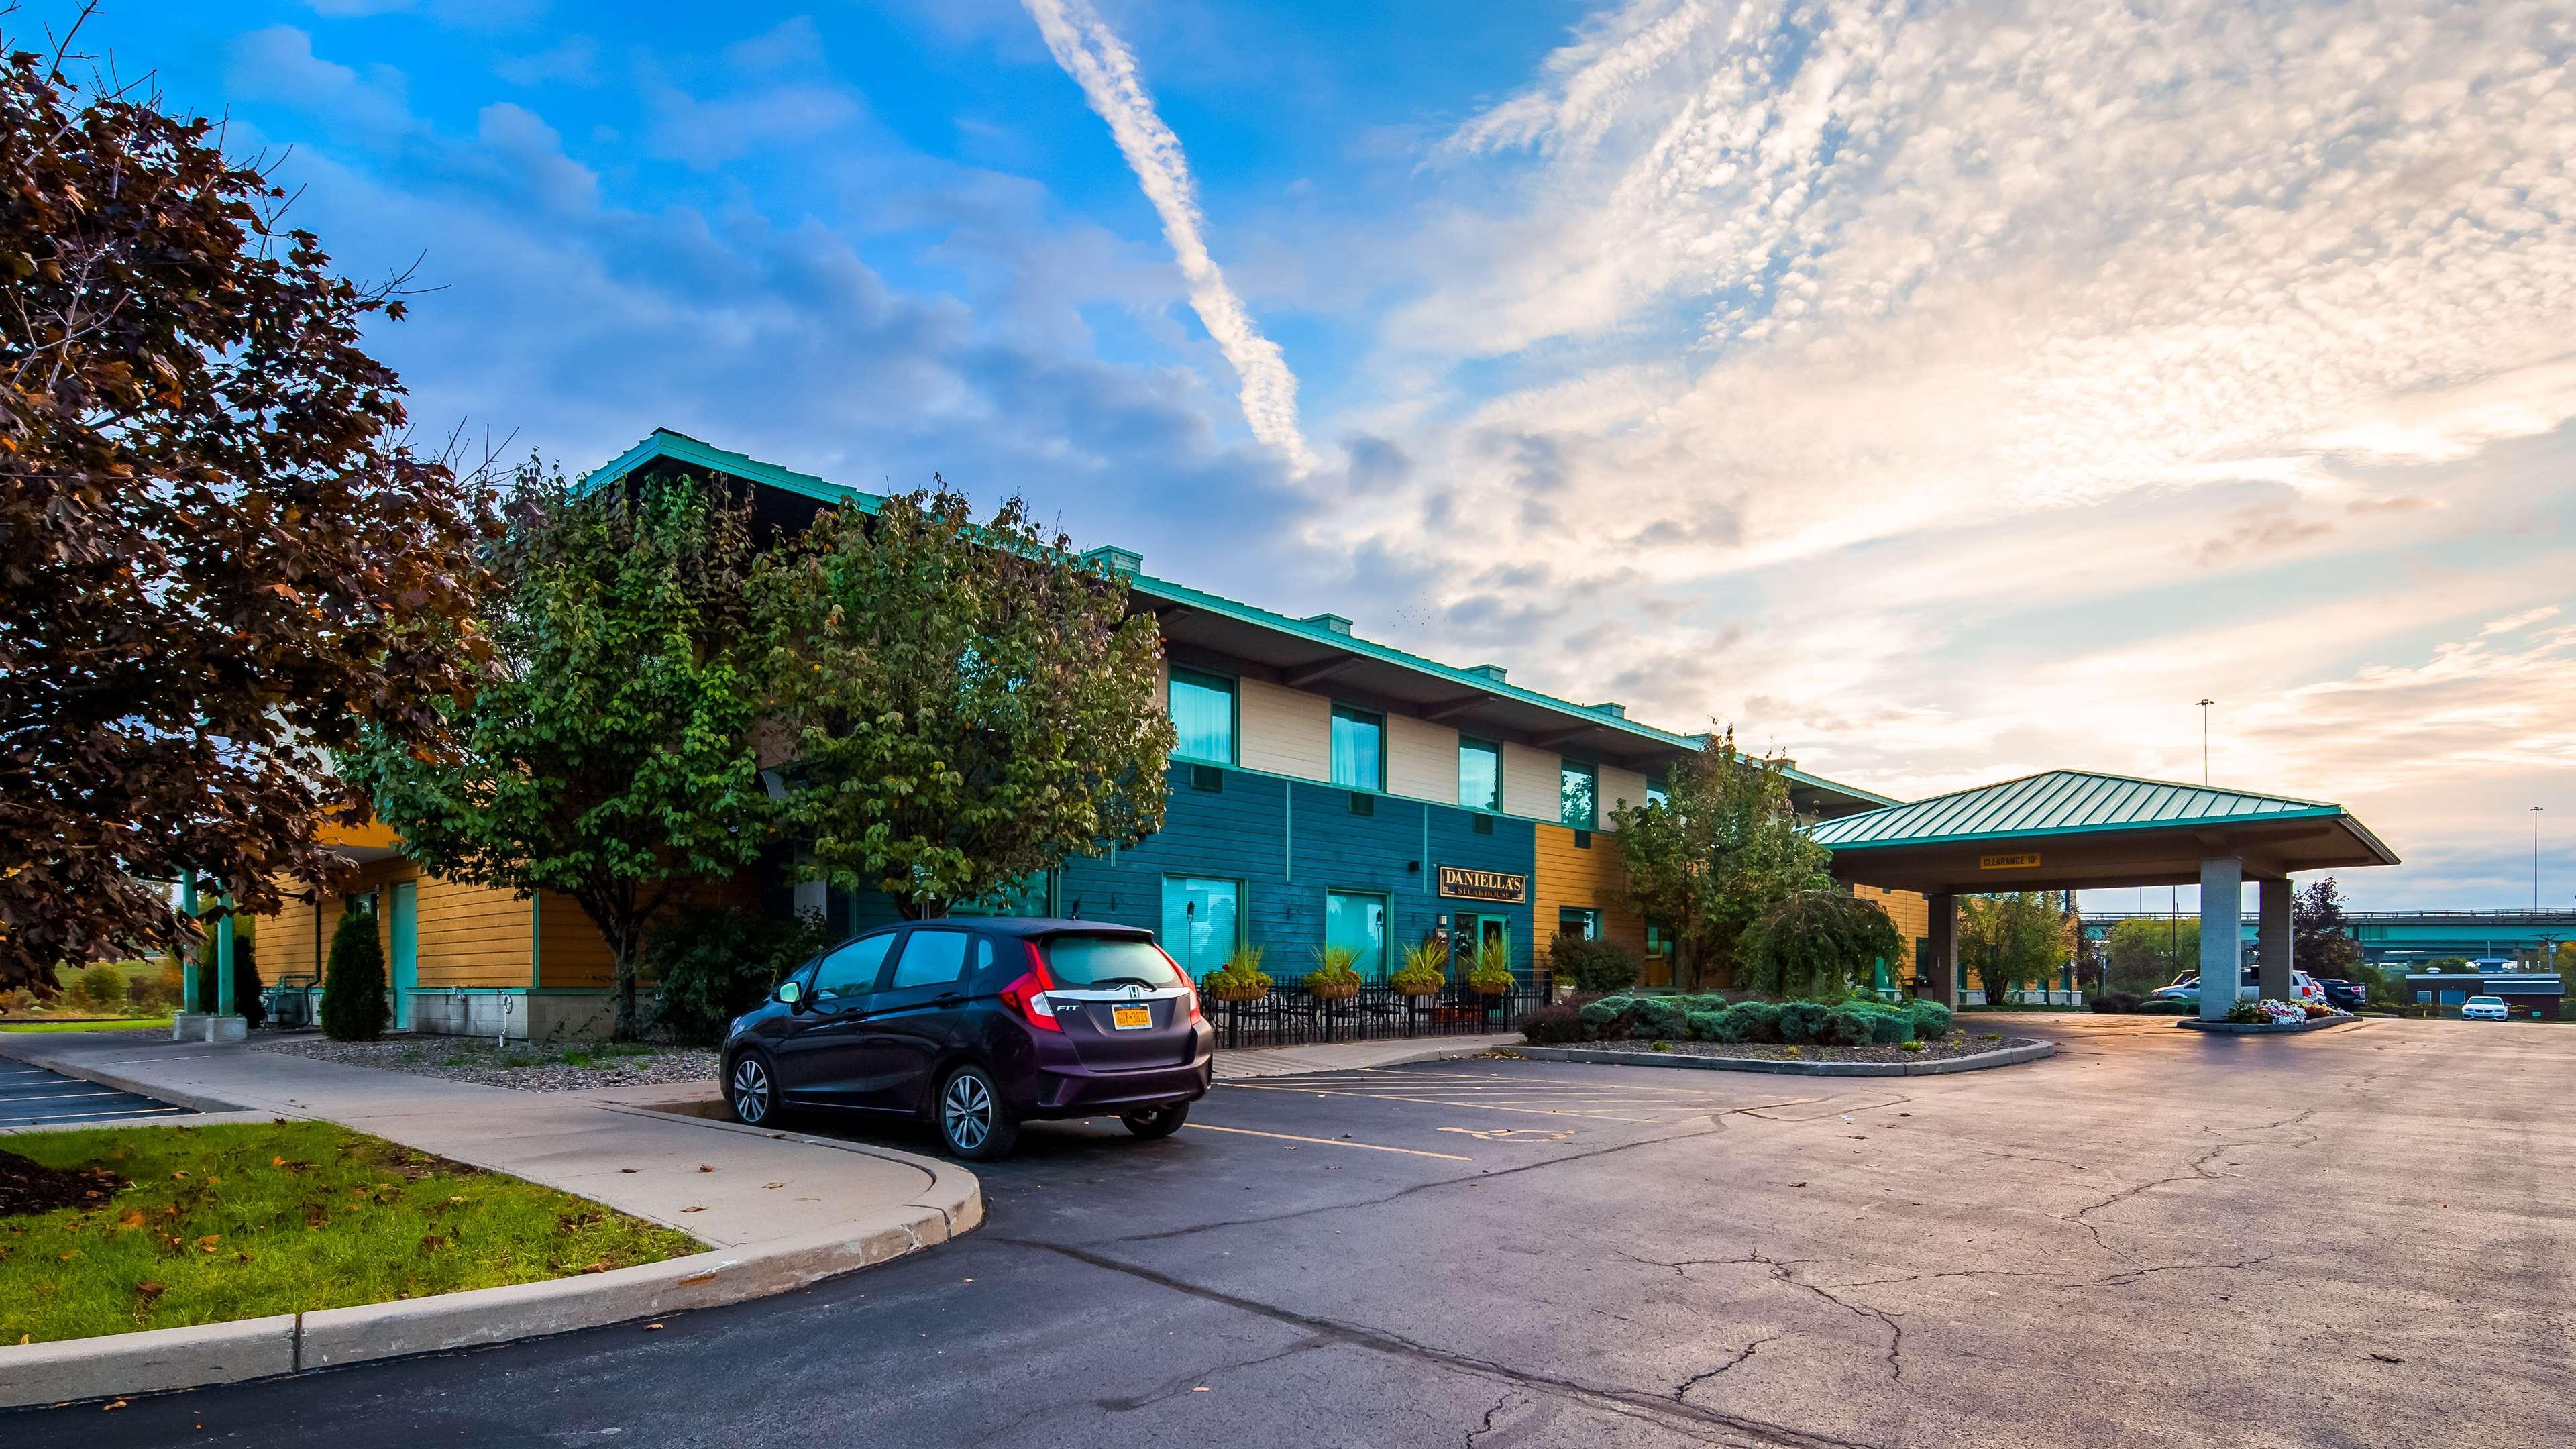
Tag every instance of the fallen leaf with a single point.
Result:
(2387, 1358)
(133, 1218)
(630, 1169)
(176, 1176)
(1797, 1184)
(652, 1328)
(67, 1257)
(278, 1161)
(150, 1290)
(207, 1243)
(702, 1167)
(1201, 1389)
(112, 1408)
(693, 1209)
(596, 1268)
(773, 1184)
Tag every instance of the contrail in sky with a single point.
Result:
(1103, 66)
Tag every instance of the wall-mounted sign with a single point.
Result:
(1504, 887)
(2008, 862)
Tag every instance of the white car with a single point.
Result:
(2303, 988)
(2483, 1008)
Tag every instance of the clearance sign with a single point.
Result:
(2008, 862)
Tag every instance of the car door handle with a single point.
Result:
(949, 998)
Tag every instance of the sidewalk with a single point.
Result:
(1251, 1063)
(781, 1208)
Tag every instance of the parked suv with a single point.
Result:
(977, 1026)
(2349, 995)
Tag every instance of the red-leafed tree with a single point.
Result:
(218, 557)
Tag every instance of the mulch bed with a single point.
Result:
(28, 1186)
(1953, 1045)
(522, 1067)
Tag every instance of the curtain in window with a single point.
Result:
(1356, 748)
(1202, 718)
(1358, 921)
(1480, 775)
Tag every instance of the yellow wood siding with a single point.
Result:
(1913, 916)
(1565, 875)
(471, 935)
(1284, 731)
(1617, 787)
(1531, 785)
(571, 952)
(1421, 760)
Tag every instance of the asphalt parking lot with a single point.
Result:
(34, 1097)
(2356, 1237)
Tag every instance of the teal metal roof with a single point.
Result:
(2069, 802)
(664, 443)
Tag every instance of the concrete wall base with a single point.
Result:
(539, 1017)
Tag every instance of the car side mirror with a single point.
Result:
(793, 993)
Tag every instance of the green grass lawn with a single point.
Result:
(228, 1222)
(136, 1023)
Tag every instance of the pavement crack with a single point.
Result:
(1682, 1391)
(1667, 1413)
(1786, 1272)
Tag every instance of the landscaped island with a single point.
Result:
(111, 1230)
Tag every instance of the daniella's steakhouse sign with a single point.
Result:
(1483, 885)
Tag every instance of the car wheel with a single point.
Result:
(751, 1090)
(973, 1123)
(1152, 1122)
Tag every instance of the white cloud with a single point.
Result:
(1106, 70)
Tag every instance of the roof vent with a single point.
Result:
(1118, 562)
(1334, 622)
(1615, 711)
(1493, 672)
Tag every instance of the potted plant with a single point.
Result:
(1336, 976)
(1240, 978)
(1489, 972)
(1425, 970)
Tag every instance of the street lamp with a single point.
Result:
(2535, 860)
(2205, 703)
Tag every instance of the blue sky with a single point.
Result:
(1936, 394)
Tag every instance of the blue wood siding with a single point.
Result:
(1289, 842)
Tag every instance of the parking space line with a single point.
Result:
(1327, 1141)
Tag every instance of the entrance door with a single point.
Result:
(405, 913)
(1471, 932)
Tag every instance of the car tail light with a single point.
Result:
(1189, 988)
(1027, 996)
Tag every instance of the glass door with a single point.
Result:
(1202, 921)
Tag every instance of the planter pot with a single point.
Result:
(1417, 994)
(1334, 993)
(1240, 994)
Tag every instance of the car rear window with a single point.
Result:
(1110, 961)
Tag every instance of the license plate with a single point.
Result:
(1129, 1018)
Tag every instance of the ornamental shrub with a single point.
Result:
(1891, 1026)
(1802, 1023)
(713, 964)
(1552, 1026)
(2114, 1003)
(1707, 1025)
(1603, 1019)
(103, 984)
(1658, 1017)
(1752, 1021)
(1593, 965)
(1931, 1019)
(353, 987)
(1847, 1025)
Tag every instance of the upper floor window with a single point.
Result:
(1359, 748)
(1578, 795)
(1480, 774)
(1656, 794)
(1202, 717)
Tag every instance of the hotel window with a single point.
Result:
(1202, 717)
(1480, 774)
(1656, 794)
(1359, 922)
(1578, 793)
(1202, 922)
(1578, 922)
(1359, 748)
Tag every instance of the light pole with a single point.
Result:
(2535, 860)
(2205, 703)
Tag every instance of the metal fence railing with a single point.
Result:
(1288, 1016)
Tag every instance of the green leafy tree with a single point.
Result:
(2321, 942)
(1722, 847)
(353, 985)
(217, 555)
(1817, 943)
(971, 703)
(2146, 953)
(2014, 939)
(605, 753)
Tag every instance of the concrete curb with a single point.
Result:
(2002, 1057)
(161, 1359)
